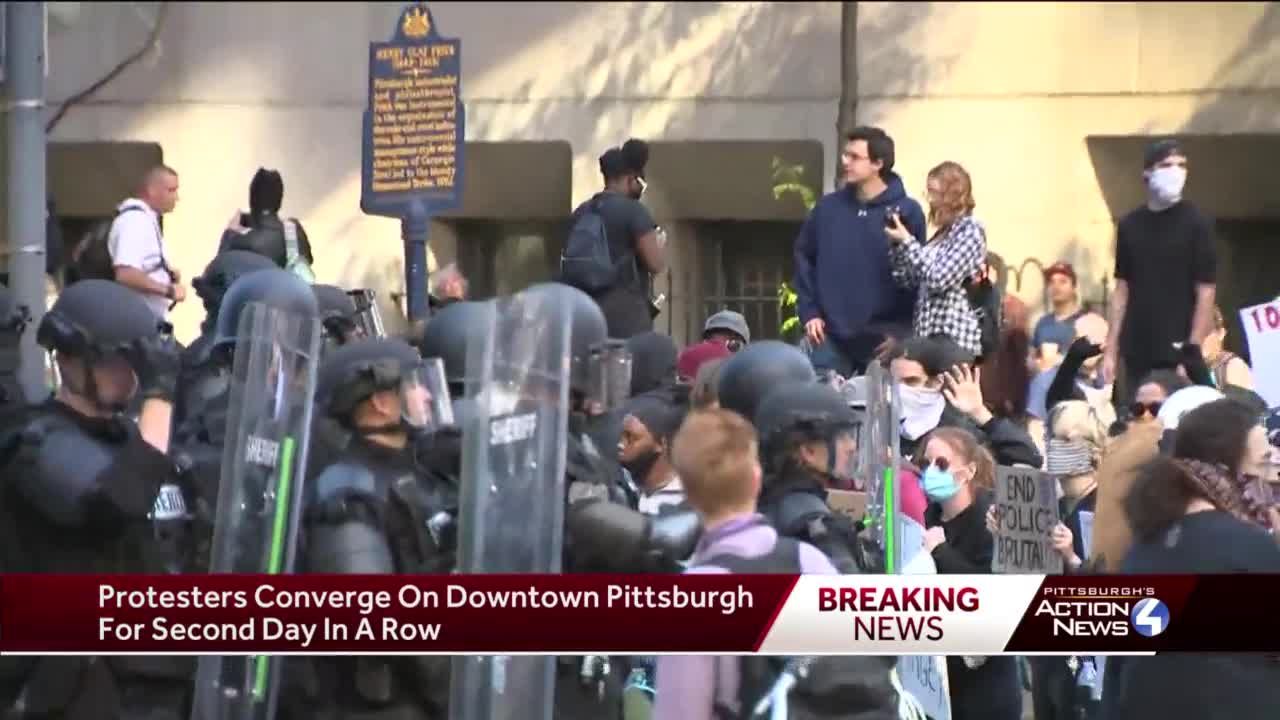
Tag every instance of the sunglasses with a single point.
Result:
(734, 345)
(939, 462)
(1138, 409)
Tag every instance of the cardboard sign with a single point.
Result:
(1026, 511)
(850, 503)
(923, 676)
(1262, 328)
(1086, 533)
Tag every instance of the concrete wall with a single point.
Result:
(1013, 90)
(239, 85)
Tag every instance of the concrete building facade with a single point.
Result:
(1047, 104)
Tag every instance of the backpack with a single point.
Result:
(843, 687)
(294, 260)
(92, 258)
(586, 262)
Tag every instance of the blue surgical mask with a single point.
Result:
(939, 485)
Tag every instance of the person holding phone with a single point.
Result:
(939, 267)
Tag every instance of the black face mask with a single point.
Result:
(639, 467)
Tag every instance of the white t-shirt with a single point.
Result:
(136, 241)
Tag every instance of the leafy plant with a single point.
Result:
(789, 180)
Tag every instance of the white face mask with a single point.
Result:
(1165, 185)
(921, 410)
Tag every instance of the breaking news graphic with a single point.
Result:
(565, 614)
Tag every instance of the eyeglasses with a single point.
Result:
(939, 462)
(1138, 409)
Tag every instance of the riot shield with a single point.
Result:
(513, 494)
(880, 448)
(260, 492)
(368, 317)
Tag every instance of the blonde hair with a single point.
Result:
(957, 194)
(716, 456)
(1077, 421)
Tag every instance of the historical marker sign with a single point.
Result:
(414, 122)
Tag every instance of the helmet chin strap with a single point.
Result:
(89, 391)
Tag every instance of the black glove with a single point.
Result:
(1082, 349)
(1192, 361)
(157, 362)
(673, 536)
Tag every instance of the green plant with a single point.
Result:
(789, 180)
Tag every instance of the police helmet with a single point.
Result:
(794, 413)
(337, 312)
(445, 337)
(225, 268)
(274, 287)
(354, 372)
(94, 318)
(601, 368)
(752, 372)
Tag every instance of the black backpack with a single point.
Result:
(586, 262)
(93, 257)
(844, 687)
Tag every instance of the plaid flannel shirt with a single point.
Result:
(939, 269)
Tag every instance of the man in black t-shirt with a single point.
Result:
(1166, 269)
(633, 237)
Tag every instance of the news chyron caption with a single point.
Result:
(649, 614)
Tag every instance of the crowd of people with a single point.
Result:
(720, 459)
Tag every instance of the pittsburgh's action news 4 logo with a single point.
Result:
(1150, 617)
(1104, 612)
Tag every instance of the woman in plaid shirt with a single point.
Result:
(941, 266)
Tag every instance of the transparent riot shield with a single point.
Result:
(513, 494)
(880, 448)
(368, 317)
(260, 490)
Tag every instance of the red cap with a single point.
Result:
(1060, 268)
(695, 355)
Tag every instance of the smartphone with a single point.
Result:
(889, 215)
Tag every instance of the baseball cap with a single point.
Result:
(728, 320)
(1159, 150)
(1060, 268)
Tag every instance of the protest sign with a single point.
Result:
(1262, 328)
(850, 503)
(1026, 511)
(1086, 533)
(923, 676)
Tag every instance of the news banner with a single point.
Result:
(642, 614)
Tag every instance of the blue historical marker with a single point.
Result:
(413, 137)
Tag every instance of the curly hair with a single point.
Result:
(957, 194)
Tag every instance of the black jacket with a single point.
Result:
(266, 238)
(1007, 441)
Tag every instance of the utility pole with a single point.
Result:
(24, 108)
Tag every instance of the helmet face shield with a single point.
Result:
(844, 457)
(424, 396)
(609, 375)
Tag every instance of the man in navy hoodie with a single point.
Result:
(847, 299)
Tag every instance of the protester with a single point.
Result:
(705, 393)
(447, 285)
(653, 362)
(263, 231)
(1154, 389)
(693, 358)
(1006, 377)
(1198, 512)
(1166, 269)
(1057, 328)
(1227, 367)
(958, 479)
(845, 293)
(727, 327)
(715, 454)
(648, 426)
(938, 389)
(634, 243)
(1077, 375)
(941, 268)
(137, 245)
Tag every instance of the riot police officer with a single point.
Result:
(13, 321)
(808, 445)
(85, 490)
(201, 434)
(337, 316)
(377, 509)
(756, 369)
